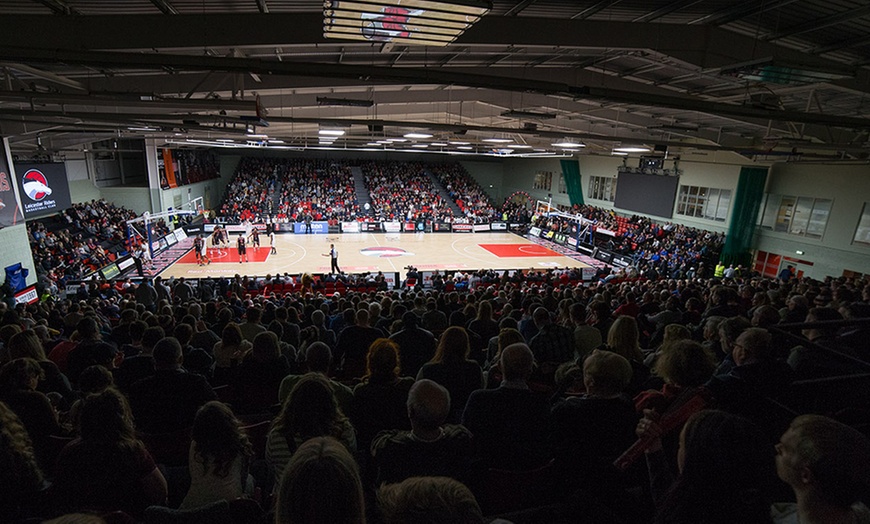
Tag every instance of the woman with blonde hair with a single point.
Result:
(21, 477)
(380, 399)
(451, 368)
(623, 338)
(27, 344)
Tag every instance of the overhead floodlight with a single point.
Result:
(274, 141)
(421, 22)
(420, 145)
(498, 140)
(398, 140)
(256, 135)
(529, 114)
(455, 143)
(631, 149)
(346, 102)
(331, 132)
(466, 148)
(417, 135)
(438, 144)
(565, 143)
(520, 146)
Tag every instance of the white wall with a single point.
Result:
(849, 188)
(489, 175)
(519, 175)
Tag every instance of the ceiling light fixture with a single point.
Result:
(631, 149)
(498, 140)
(566, 143)
(421, 22)
(417, 135)
(346, 102)
(331, 132)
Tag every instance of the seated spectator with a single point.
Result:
(815, 362)
(310, 411)
(218, 458)
(417, 346)
(593, 429)
(624, 340)
(258, 378)
(321, 485)
(380, 400)
(431, 448)
(107, 468)
(141, 365)
(721, 467)
(353, 345)
(508, 423)
(553, 344)
(586, 337)
(428, 500)
(451, 368)
(27, 344)
(318, 359)
(19, 380)
(825, 463)
(231, 349)
(91, 350)
(168, 400)
(729, 330)
(684, 366)
(22, 477)
(756, 375)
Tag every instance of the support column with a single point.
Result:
(154, 189)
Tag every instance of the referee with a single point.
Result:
(333, 257)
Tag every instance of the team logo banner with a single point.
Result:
(43, 187)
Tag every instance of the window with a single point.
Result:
(862, 233)
(804, 216)
(704, 202)
(602, 188)
(543, 180)
(563, 188)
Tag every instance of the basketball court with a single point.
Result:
(373, 252)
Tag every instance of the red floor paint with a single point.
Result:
(519, 250)
(231, 255)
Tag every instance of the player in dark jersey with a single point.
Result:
(243, 253)
(197, 249)
(255, 238)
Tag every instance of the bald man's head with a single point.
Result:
(428, 404)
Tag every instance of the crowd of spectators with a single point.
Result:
(322, 189)
(77, 241)
(473, 200)
(288, 189)
(431, 391)
(193, 165)
(403, 191)
(669, 249)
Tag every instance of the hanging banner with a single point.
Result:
(43, 188)
(9, 212)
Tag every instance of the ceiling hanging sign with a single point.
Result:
(420, 22)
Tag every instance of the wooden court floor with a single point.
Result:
(372, 252)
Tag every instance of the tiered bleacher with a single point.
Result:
(402, 191)
(532, 396)
(473, 200)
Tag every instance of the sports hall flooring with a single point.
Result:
(362, 252)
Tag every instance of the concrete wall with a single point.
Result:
(849, 188)
(489, 175)
(519, 175)
(13, 239)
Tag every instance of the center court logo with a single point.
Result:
(35, 185)
(385, 252)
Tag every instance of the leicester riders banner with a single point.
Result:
(43, 188)
(9, 212)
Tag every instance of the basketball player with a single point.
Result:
(255, 238)
(272, 241)
(203, 249)
(243, 253)
(197, 249)
(333, 257)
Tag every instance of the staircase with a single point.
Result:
(445, 195)
(275, 195)
(362, 194)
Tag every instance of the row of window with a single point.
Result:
(804, 216)
(704, 202)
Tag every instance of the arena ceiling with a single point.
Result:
(768, 79)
